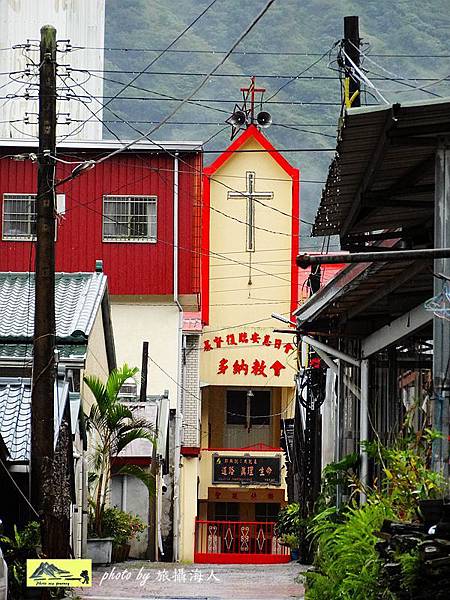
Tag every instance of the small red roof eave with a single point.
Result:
(252, 132)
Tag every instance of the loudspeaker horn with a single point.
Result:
(238, 118)
(264, 119)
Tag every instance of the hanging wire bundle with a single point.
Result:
(439, 305)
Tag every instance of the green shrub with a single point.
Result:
(122, 526)
(347, 562)
(288, 520)
(17, 549)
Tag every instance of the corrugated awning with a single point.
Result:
(382, 176)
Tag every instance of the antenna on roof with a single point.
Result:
(245, 114)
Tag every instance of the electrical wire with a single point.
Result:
(216, 180)
(199, 252)
(302, 72)
(185, 30)
(201, 84)
(242, 52)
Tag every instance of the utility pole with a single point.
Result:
(143, 390)
(44, 492)
(351, 49)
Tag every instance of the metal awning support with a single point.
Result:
(334, 367)
(364, 425)
(395, 331)
(306, 260)
(329, 350)
(441, 327)
(324, 352)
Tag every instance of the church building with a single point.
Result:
(234, 483)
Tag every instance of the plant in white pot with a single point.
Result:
(113, 427)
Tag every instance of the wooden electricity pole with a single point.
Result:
(351, 49)
(44, 492)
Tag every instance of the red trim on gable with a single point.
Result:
(205, 250)
(295, 237)
(251, 132)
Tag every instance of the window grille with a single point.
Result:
(19, 217)
(130, 218)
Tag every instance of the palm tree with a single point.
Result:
(115, 427)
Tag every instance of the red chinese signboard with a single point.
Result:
(258, 367)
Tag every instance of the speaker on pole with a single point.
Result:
(264, 119)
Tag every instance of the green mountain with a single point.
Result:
(291, 37)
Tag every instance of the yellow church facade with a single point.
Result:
(233, 487)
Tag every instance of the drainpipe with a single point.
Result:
(364, 424)
(178, 415)
(124, 491)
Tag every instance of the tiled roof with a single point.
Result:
(15, 415)
(25, 351)
(77, 298)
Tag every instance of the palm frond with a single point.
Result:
(117, 378)
(135, 471)
(124, 439)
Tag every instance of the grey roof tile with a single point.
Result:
(77, 298)
(15, 415)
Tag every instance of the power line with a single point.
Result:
(202, 83)
(220, 182)
(203, 74)
(186, 29)
(188, 101)
(199, 252)
(302, 72)
(94, 73)
(243, 52)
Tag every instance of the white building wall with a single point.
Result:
(136, 321)
(80, 21)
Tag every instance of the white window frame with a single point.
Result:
(151, 238)
(60, 209)
(18, 238)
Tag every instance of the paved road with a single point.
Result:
(151, 581)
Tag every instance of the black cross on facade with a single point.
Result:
(252, 195)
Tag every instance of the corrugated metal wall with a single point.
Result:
(132, 268)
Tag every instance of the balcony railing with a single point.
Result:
(238, 542)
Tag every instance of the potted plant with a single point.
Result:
(292, 540)
(112, 426)
(289, 527)
(123, 527)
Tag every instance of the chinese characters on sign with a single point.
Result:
(256, 367)
(247, 469)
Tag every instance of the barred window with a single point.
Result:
(19, 216)
(129, 218)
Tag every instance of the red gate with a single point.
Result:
(238, 542)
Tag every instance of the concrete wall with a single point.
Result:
(188, 506)
(134, 499)
(96, 360)
(139, 319)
